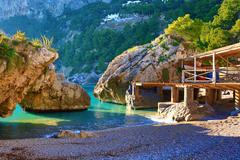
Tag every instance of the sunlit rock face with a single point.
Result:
(18, 75)
(27, 77)
(51, 93)
(39, 8)
(146, 63)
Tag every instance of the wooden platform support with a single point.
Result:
(160, 93)
(188, 95)
(219, 95)
(174, 95)
(237, 99)
(211, 96)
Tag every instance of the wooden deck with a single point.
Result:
(213, 71)
(223, 86)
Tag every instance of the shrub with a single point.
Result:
(36, 43)
(162, 58)
(47, 43)
(6, 51)
(175, 43)
(19, 36)
(164, 46)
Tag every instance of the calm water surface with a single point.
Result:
(99, 116)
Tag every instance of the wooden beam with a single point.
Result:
(210, 96)
(195, 69)
(214, 68)
(237, 99)
(188, 95)
(174, 95)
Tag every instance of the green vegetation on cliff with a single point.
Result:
(223, 30)
(99, 45)
(10, 47)
(81, 34)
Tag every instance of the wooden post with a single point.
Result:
(183, 78)
(237, 99)
(133, 88)
(195, 69)
(188, 95)
(219, 95)
(214, 69)
(174, 95)
(196, 93)
(160, 93)
(136, 92)
(210, 96)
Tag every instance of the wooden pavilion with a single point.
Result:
(214, 71)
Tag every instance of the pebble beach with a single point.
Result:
(210, 139)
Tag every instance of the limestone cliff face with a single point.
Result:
(26, 77)
(51, 93)
(39, 8)
(17, 78)
(147, 63)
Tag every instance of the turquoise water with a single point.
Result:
(99, 116)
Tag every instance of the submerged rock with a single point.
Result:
(72, 134)
(51, 93)
(147, 63)
(181, 112)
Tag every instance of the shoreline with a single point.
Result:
(186, 140)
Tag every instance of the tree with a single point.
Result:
(186, 28)
(217, 38)
(236, 31)
(227, 14)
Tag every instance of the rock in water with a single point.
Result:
(51, 93)
(145, 63)
(71, 134)
(21, 72)
(24, 69)
(180, 112)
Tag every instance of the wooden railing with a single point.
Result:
(207, 76)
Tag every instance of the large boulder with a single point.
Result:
(145, 63)
(181, 112)
(20, 66)
(52, 93)
(26, 78)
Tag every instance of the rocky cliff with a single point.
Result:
(153, 62)
(51, 93)
(39, 8)
(22, 64)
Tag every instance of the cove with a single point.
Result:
(99, 116)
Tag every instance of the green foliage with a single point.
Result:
(98, 45)
(179, 70)
(165, 75)
(164, 46)
(1, 38)
(163, 58)
(175, 43)
(46, 42)
(186, 28)
(228, 13)
(222, 31)
(235, 31)
(217, 38)
(36, 43)
(6, 51)
(19, 36)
